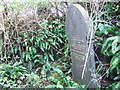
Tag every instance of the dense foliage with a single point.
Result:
(36, 50)
(36, 53)
(108, 38)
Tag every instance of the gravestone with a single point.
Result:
(79, 30)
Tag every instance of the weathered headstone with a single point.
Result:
(79, 30)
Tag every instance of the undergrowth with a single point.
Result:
(108, 41)
(35, 51)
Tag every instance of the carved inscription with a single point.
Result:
(78, 47)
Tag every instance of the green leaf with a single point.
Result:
(111, 46)
(51, 57)
(114, 85)
(59, 84)
(53, 79)
(115, 61)
(118, 69)
(50, 40)
(41, 47)
(118, 24)
(117, 77)
(51, 86)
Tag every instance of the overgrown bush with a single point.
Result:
(108, 38)
(36, 42)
